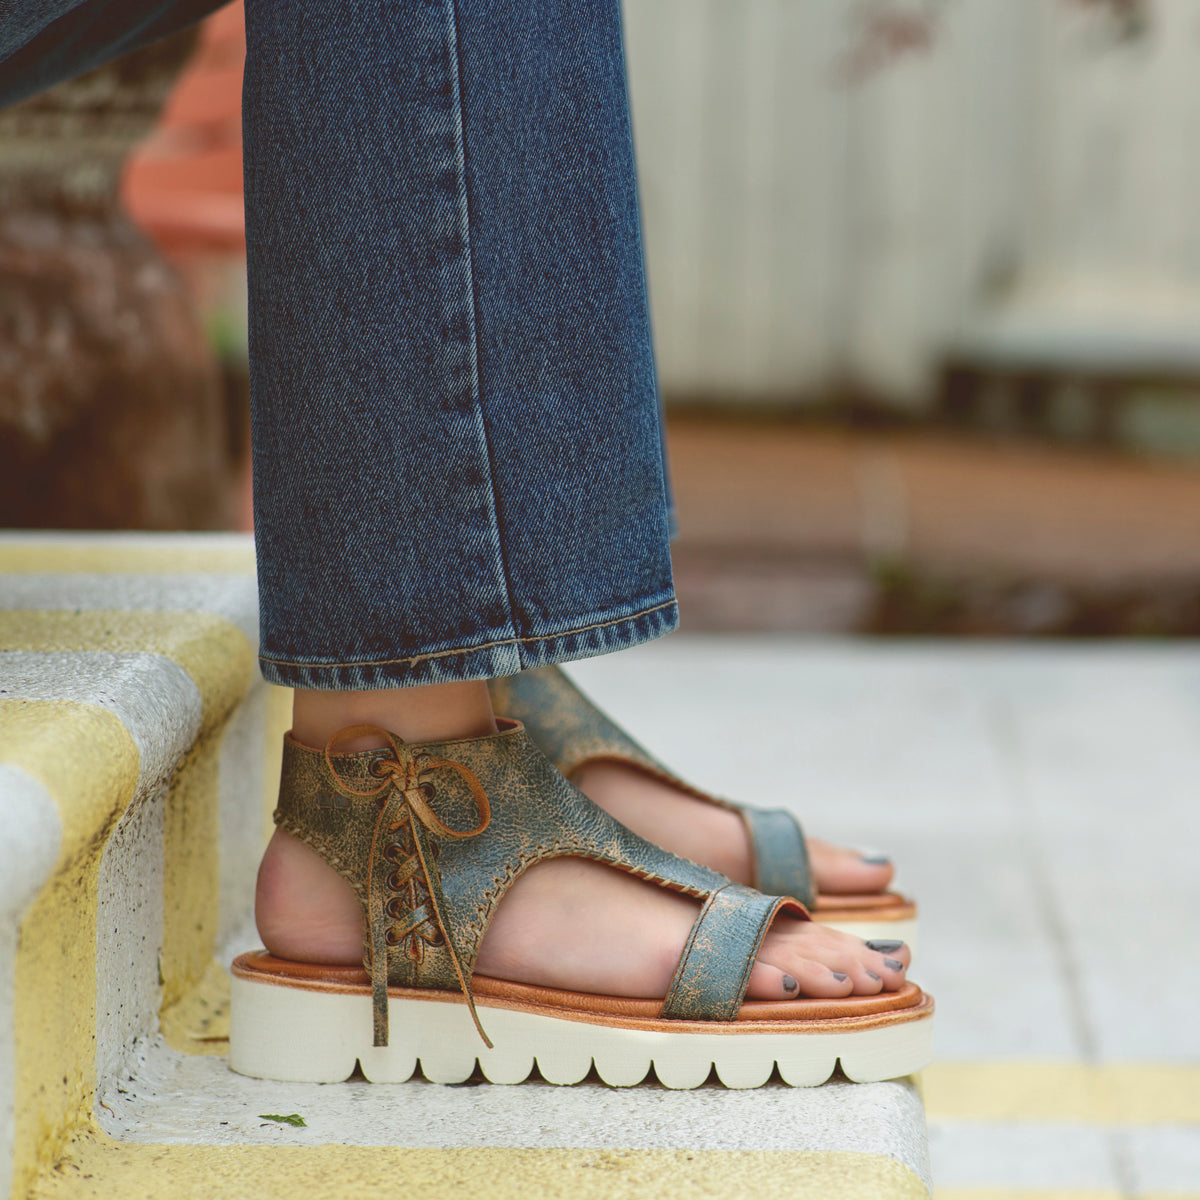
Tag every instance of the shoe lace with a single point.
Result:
(408, 908)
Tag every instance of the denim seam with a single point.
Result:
(549, 637)
(460, 145)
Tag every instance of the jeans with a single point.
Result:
(457, 447)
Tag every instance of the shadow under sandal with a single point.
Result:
(571, 731)
(431, 836)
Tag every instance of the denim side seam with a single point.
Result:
(471, 309)
(488, 660)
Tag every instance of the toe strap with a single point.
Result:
(780, 853)
(715, 965)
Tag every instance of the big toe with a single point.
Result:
(841, 871)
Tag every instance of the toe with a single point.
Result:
(799, 977)
(895, 955)
(839, 870)
(891, 969)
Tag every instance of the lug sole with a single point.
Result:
(306, 1034)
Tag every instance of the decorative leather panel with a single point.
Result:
(781, 864)
(430, 860)
(715, 965)
(571, 730)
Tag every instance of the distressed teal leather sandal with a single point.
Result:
(431, 836)
(571, 731)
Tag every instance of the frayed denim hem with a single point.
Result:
(507, 657)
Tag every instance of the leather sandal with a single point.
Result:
(431, 836)
(572, 732)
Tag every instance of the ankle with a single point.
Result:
(439, 711)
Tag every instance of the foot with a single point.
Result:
(712, 835)
(573, 924)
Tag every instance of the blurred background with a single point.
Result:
(925, 278)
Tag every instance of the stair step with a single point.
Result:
(133, 730)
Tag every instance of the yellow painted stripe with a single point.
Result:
(88, 763)
(212, 650)
(100, 1168)
(220, 661)
(1110, 1094)
(1007, 1193)
(99, 556)
(199, 1022)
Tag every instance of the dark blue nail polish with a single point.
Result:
(840, 976)
(893, 964)
(789, 984)
(877, 978)
(885, 947)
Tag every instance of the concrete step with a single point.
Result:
(137, 766)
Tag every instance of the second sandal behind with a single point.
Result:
(431, 836)
(572, 732)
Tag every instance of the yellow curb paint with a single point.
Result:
(220, 661)
(99, 555)
(97, 1167)
(199, 1023)
(88, 763)
(212, 650)
(191, 874)
(1007, 1193)
(1107, 1094)
(278, 720)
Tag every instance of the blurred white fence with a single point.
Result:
(1028, 170)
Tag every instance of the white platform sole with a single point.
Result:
(302, 1035)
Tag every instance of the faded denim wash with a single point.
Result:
(457, 444)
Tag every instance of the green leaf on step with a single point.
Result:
(291, 1118)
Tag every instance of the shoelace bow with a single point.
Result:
(407, 807)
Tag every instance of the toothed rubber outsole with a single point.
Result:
(297, 1034)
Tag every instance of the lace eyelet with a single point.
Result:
(428, 790)
(378, 767)
(394, 908)
(392, 937)
(394, 852)
(394, 881)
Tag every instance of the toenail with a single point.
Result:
(877, 978)
(789, 984)
(840, 976)
(885, 947)
(875, 858)
(893, 964)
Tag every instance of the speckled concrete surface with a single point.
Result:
(175, 1099)
(162, 660)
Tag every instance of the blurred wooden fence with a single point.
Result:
(817, 220)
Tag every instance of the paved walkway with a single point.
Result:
(1042, 803)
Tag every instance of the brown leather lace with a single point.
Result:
(405, 816)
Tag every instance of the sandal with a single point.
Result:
(571, 731)
(430, 836)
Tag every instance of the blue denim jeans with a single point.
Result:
(457, 445)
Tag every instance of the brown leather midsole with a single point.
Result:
(873, 906)
(783, 1016)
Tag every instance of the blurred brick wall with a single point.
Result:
(184, 184)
